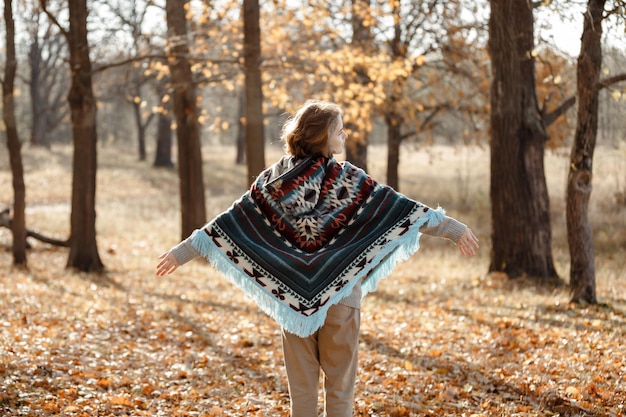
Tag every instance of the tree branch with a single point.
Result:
(127, 61)
(155, 56)
(6, 221)
(607, 82)
(551, 117)
(43, 4)
(536, 4)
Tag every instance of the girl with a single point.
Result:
(309, 239)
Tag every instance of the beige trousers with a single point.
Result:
(334, 349)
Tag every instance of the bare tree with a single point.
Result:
(83, 247)
(47, 83)
(18, 224)
(185, 107)
(412, 102)
(579, 180)
(132, 15)
(255, 138)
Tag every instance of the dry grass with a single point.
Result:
(440, 337)
(134, 200)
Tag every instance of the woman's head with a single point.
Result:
(314, 129)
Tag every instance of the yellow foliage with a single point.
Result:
(557, 84)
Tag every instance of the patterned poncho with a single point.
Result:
(300, 242)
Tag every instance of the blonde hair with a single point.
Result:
(306, 132)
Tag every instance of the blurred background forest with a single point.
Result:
(168, 80)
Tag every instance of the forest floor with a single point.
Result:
(440, 336)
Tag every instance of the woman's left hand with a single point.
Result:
(468, 243)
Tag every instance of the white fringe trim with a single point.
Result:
(292, 321)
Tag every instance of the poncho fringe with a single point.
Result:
(270, 298)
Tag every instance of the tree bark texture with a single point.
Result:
(83, 248)
(255, 136)
(18, 225)
(579, 180)
(192, 199)
(521, 234)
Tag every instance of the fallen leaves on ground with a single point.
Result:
(130, 343)
(437, 339)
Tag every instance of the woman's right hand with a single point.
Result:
(167, 265)
(468, 243)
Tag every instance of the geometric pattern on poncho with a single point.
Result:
(316, 201)
(300, 242)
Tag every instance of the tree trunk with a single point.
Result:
(141, 131)
(18, 225)
(240, 158)
(521, 234)
(255, 136)
(393, 122)
(192, 203)
(163, 155)
(141, 143)
(356, 149)
(38, 130)
(579, 236)
(392, 118)
(83, 248)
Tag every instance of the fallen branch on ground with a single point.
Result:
(6, 221)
